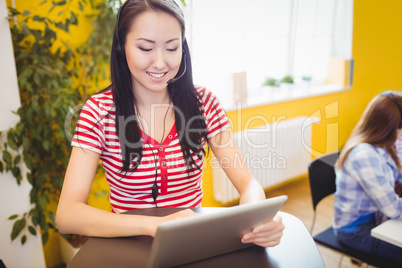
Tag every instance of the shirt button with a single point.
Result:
(160, 149)
(164, 178)
(163, 163)
(170, 136)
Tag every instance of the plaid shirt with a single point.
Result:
(398, 147)
(365, 186)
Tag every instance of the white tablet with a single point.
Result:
(206, 235)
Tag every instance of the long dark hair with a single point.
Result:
(377, 126)
(186, 100)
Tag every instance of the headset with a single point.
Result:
(119, 50)
(391, 96)
(171, 81)
(121, 54)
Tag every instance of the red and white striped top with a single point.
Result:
(95, 131)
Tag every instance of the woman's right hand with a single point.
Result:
(175, 216)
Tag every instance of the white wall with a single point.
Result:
(14, 199)
(9, 95)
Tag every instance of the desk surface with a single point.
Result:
(297, 249)
(389, 231)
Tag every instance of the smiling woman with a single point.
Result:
(149, 128)
(153, 52)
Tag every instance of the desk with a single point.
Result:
(389, 231)
(297, 249)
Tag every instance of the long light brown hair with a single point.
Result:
(377, 126)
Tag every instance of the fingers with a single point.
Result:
(263, 240)
(266, 235)
(181, 214)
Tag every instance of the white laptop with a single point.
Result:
(389, 231)
(206, 235)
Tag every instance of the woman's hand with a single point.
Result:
(180, 215)
(266, 235)
(174, 216)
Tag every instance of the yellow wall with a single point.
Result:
(377, 57)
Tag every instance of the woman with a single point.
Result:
(366, 173)
(149, 129)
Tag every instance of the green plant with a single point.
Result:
(38, 147)
(38, 140)
(95, 52)
(271, 82)
(287, 79)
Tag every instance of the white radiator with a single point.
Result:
(273, 153)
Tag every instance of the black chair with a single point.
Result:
(322, 184)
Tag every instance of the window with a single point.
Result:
(309, 40)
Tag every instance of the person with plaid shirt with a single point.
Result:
(367, 171)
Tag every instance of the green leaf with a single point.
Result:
(17, 160)
(13, 11)
(25, 30)
(51, 225)
(38, 18)
(43, 2)
(23, 239)
(46, 143)
(43, 200)
(60, 3)
(80, 6)
(29, 177)
(37, 79)
(51, 216)
(13, 139)
(12, 217)
(50, 10)
(26, 13)
(45, 237)
(7, 158)
(17, 228)
(32, 230)
(26, 143)
(28, 162)
(73, 19)
(1, 166)
(12, 143)
(35, 220)
(17, 174)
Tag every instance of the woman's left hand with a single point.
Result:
(266, 235)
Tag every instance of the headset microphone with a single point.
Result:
(171, 81)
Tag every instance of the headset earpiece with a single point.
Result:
(119, 47)
(119, 51)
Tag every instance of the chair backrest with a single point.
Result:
(321, 174)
